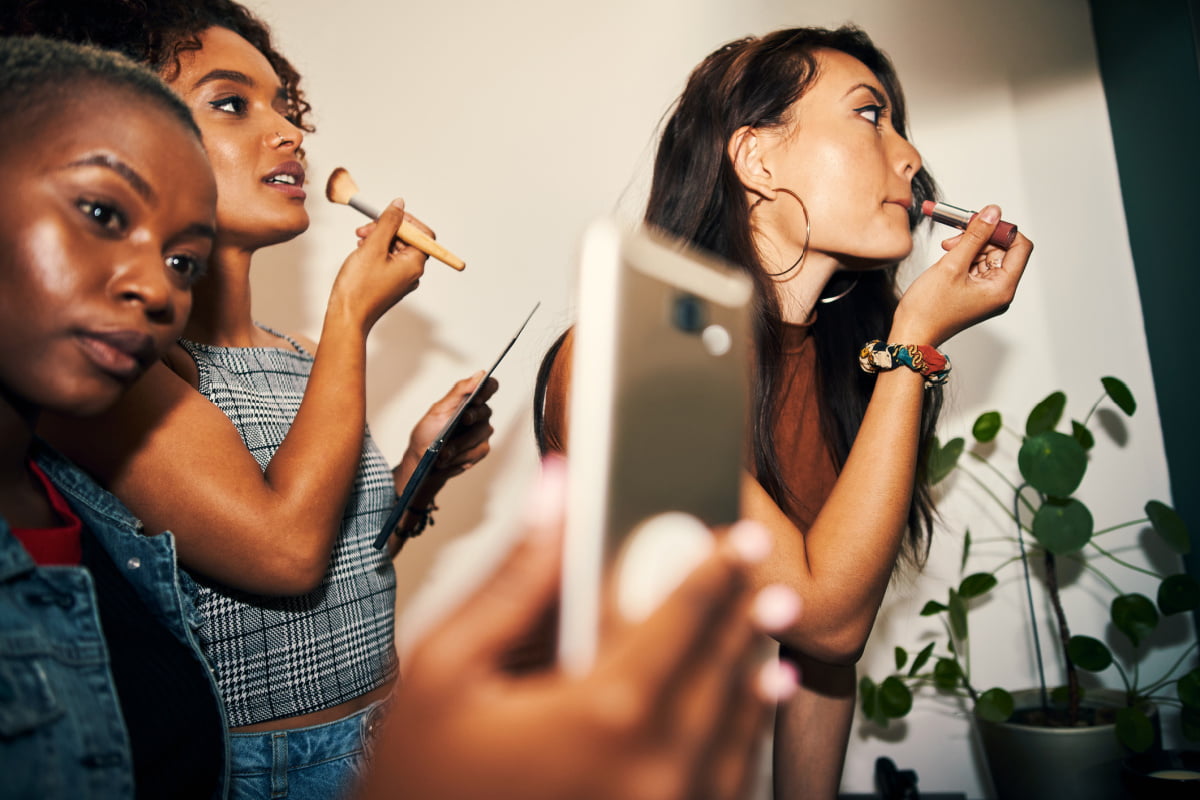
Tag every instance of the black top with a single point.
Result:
(162, 689)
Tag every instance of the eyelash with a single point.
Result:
(108, 217)
(877, 108)
(194, 267)
(238, 103)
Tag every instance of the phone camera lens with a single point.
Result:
(688, 313)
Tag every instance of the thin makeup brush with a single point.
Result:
(341, 188)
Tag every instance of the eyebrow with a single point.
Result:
(118, 166)
(224, 75)
(880, 97)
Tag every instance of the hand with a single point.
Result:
(467, 446)
(382, 270)
(669, 711)
(972, 282)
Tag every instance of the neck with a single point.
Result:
(799, 291)
(221, 310)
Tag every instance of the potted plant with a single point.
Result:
(1049, 525)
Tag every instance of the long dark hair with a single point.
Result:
(697, 196)
(155, 32)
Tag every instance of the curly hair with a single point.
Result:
(155, 32)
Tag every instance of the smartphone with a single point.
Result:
(657, 422)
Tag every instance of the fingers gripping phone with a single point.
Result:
(657, 419)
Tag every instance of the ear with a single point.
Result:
(746, 149)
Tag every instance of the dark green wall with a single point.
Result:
(1149, 54)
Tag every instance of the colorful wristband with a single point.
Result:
(876, 356)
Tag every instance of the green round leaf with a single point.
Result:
(1169, 525)
(958, 615)
(895, 699)
(868, 697)
(1178, 593)
(943, 460)
(1062, 526)
(1119, 393)
(921, 660)
(1088, 653)
(977, 584)
(1135, 616)
(1046, 414)
(901, 658)
(987, 426)
(1053, 463)
(994, 705)
(931, 608)
(1134, 729)
(1188, 689)
(1082, 435)
(945, 674)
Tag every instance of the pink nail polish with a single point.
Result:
(751, 540)
(775, 607)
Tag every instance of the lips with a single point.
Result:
(288, 178)
(124, 354)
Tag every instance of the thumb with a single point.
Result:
(514, 598)
(976, 236)
(379, 240)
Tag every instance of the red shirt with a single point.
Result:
(57, 546)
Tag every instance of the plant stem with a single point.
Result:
(1083, 562)
(1166, 678)
(1000, 475)
(1095, 405)
(1125, 564)
(1064, 634)
(1129, 687)
(1037, 640)
(1122, 525)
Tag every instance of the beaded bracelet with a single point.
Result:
(423, 519)
(876, 356)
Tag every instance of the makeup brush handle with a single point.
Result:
(411, 234)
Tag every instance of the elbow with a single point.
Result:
(288, 574)
(841, 646)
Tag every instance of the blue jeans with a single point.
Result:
(320, 762)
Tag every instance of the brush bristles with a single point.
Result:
(341, 187)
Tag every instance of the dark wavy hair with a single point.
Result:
(155, 32)
(697, 196)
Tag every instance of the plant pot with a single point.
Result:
(1163, 775)
(1032, 762)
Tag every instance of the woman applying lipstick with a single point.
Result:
(787, 154)
(98, 253)
(275, 494)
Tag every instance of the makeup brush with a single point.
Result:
(341, 188)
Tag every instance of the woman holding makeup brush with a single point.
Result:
(787, 155)
(251, 445)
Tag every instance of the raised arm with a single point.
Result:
(841, 566)
(179, 463)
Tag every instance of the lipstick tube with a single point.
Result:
(959, 218)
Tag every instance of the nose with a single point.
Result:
(906, 158)
(145, 281)
(285, 135)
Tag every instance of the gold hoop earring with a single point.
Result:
(807, 230)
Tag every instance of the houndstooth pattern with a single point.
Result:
(277, 657)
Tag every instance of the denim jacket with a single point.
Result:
(61, 730)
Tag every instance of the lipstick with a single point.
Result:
(959, 218)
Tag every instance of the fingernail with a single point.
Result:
(750, 540)
(990, 214)
(548, 500)
(775, 607)
(777, 681)
(398, 203)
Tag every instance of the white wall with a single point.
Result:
(508, 126)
